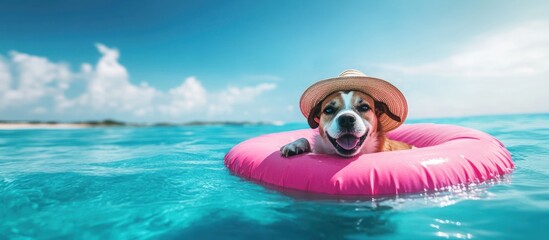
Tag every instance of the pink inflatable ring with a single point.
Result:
(445, 156)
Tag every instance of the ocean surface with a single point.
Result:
(170, 183)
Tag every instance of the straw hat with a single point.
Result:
(390, 102)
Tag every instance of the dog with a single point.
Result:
(348, 125)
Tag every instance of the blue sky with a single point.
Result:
(175, 61)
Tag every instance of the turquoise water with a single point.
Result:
(170, 183)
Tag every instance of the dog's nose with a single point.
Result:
(346, 121)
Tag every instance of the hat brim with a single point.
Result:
(378, 89)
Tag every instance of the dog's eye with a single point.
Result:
(329, 110)
(363, 108)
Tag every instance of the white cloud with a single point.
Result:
(234, 95)
(40, 86)
(185, 98)
(109, 88)
(497, 73)
(5, 77)
(519, 52)
(39, 110)
(36, 79)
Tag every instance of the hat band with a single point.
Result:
(381, 108)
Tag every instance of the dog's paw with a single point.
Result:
(296, 147)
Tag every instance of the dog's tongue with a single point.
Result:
(347, 142)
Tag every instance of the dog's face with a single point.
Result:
(348, 123)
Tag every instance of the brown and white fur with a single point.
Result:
(349, 118)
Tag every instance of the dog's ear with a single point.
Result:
(381, 108)
(313, 116)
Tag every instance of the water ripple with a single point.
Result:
(171, 183)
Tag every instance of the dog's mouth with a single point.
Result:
(347, 144)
